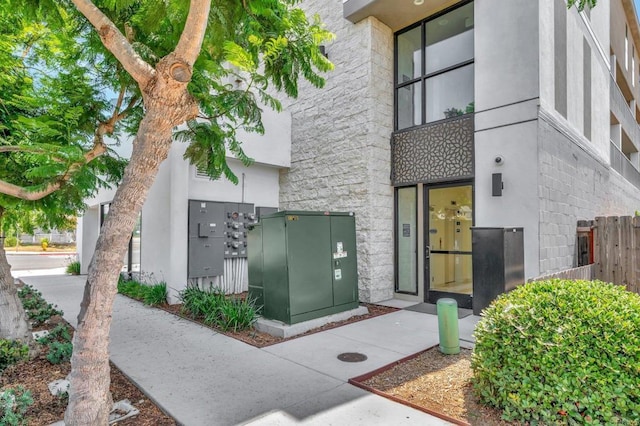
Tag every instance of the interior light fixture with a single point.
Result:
(418, 2)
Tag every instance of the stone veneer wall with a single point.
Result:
(340, 150)
(574, 185)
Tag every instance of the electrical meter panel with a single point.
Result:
(206, 239)
(217, 231)
(237, 219)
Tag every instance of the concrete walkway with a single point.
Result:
(201, 377)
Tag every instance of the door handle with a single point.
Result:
(427, 252)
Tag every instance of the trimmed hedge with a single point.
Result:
(561, 352)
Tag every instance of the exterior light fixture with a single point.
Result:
(418, 2)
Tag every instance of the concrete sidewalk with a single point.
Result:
(201, 377)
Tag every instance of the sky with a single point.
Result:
(637, 2)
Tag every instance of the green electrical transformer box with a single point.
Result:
(302, 265)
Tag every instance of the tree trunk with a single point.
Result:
(167, 104)
(13, 320)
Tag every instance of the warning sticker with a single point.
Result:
(340, 253)
(337, 274)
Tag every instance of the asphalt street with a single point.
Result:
(37, 261)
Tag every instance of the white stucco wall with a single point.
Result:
(156, 242)
(165, 212)
(274, 147)
(506, 99)
(595, 29)
(506, 52)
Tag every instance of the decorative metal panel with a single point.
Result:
(433, 153)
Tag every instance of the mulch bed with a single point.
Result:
(261, 340)
(436, 383)
(37, 373)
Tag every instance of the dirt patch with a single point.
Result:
(435, 383)
(35, 375)
(260, 340)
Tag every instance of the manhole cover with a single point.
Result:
(352, 357)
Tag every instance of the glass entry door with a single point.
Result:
(448, 216)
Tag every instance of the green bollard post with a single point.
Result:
(448, 326)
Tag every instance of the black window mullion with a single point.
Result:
(423, 77)
(409, 82)
(395, 82)
(423, 89)
(450, 68)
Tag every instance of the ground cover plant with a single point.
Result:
(13, 406)
(561, 352)
(58, 343)
(37, 309)
(12, 351)
(149, 294)
(214, 308)
(73, 268)
(24, 395)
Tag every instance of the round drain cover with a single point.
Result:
(352, 357)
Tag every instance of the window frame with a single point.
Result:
(422, 79)
(396, 242)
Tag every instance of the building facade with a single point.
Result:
(444, 115)
(161, 249)
(440, 116)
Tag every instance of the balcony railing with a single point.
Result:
(621, 164)
(620, 108)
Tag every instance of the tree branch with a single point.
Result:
(190, 43)
(125, 112)
(117, 43)
(18, 148)
(116, 109)
(24, 194)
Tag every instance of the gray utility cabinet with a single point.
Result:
(302, 265)
(217, 231)
(498, 263)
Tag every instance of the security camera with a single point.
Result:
(499, 160)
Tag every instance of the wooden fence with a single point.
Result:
(617, 250)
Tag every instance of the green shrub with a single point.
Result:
(73, 268)
(11, 352)
(37, 309)
(10, 241)
(59, 352)
(13, 406)
(561, 352)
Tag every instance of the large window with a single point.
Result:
(434, 68)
